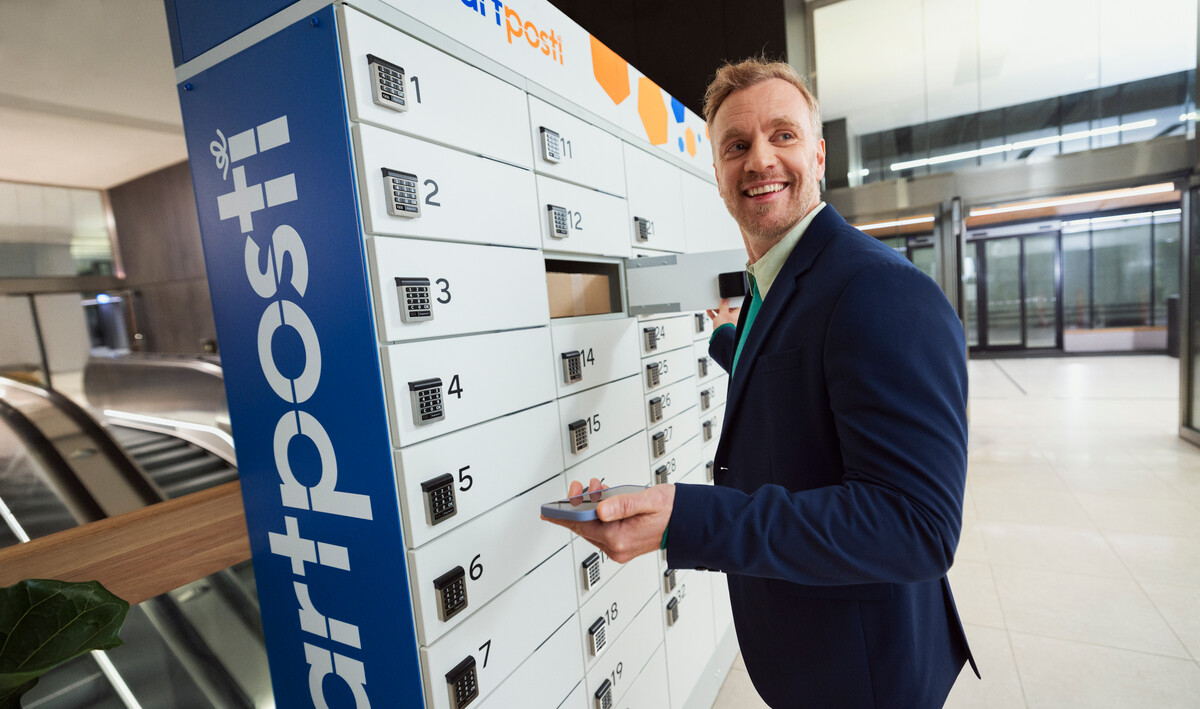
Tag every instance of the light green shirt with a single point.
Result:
(771, 263)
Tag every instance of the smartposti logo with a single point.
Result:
(549, 43)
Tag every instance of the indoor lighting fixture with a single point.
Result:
(898, 222)
(1188, 116)
(1078, 199)
(1024, 144)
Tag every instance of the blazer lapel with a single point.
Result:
(786, 284)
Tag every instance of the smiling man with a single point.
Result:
(842, 463)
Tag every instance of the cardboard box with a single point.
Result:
(573, 294)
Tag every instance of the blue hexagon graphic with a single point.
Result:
(681, 145)
(677, 109)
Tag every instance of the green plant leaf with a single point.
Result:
(46, 623)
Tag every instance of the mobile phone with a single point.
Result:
(582, 508)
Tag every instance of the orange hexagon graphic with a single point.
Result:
(611, 71)
(653, 111)
(691, 142)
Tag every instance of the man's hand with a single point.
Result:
(627, 526)
(724, 314)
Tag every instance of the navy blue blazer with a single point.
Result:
(839, 480)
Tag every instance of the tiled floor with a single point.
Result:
(1078, 573)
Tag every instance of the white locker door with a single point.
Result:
(665, 334)
(472, 379)
(461, 197)
(605, 350)
(585, 154)
(654, 197)
(608, 613)
(547, 678)
(689, 638)
(426, 289)
(445, 101)
(580, 220)
(614, 672)
(709, 224)
(598, 418)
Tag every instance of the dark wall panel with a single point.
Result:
(158, 236)
(680, 45)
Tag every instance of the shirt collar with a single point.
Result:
(767, 268)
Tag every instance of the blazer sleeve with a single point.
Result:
(895, 371)
(722, 345)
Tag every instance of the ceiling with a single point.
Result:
(87, 93)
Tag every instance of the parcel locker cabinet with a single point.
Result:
(606, 615)
(574, 150)
(593, 420)
(655, 202)
(580, 220)
(430, 94)
(485, 648)
(614, 671)
(589, 354)
(690, 638)
(447, 481)
(548, 677)
(426, 289)
(455, 575)
(440, 386)
(459, 196)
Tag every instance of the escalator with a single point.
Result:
(198, 646)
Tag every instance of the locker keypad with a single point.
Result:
(650, 338)
(604, 698)
(463, 682)
(401, 191)
(656, 409)
(661, 475)
(669, 580)
(706, 429)
(578, 433)
(644, 228)
(653, 378)
(658, 442)
(702, 363)
(572, 366)
(672, 611)
(708, 470)
(596, 639)
(700, 322)
(387, 84)
(591, 571)
(426, 398)
(705, 399)
(439, 499)
(559, 222)
(551, 145)
(415, 303)
(451, 590)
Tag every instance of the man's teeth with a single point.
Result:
(755, 191)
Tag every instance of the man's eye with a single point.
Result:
(787, 135)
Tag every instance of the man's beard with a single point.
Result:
(754, 219)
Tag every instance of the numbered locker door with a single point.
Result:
(613, 673)
(655, 202)
(440, 386)
(403, 84)
(410, 187)
(592, 353)
(426, 289)
(665, 334)
(690, 638)
(574, 150)
(581, 220)
(593, 420)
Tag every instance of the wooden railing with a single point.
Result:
(141, 554)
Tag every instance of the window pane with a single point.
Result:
(1041, 300)
(1003, 291)
(1122, 261)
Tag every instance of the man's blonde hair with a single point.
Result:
(752, 71)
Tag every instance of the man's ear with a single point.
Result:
(820, 159)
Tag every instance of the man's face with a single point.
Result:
(768, 162)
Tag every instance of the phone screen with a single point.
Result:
(586, 502)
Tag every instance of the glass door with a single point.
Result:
(1017, 298)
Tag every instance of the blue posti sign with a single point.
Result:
(272, 166)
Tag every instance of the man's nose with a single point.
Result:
(761, 157)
